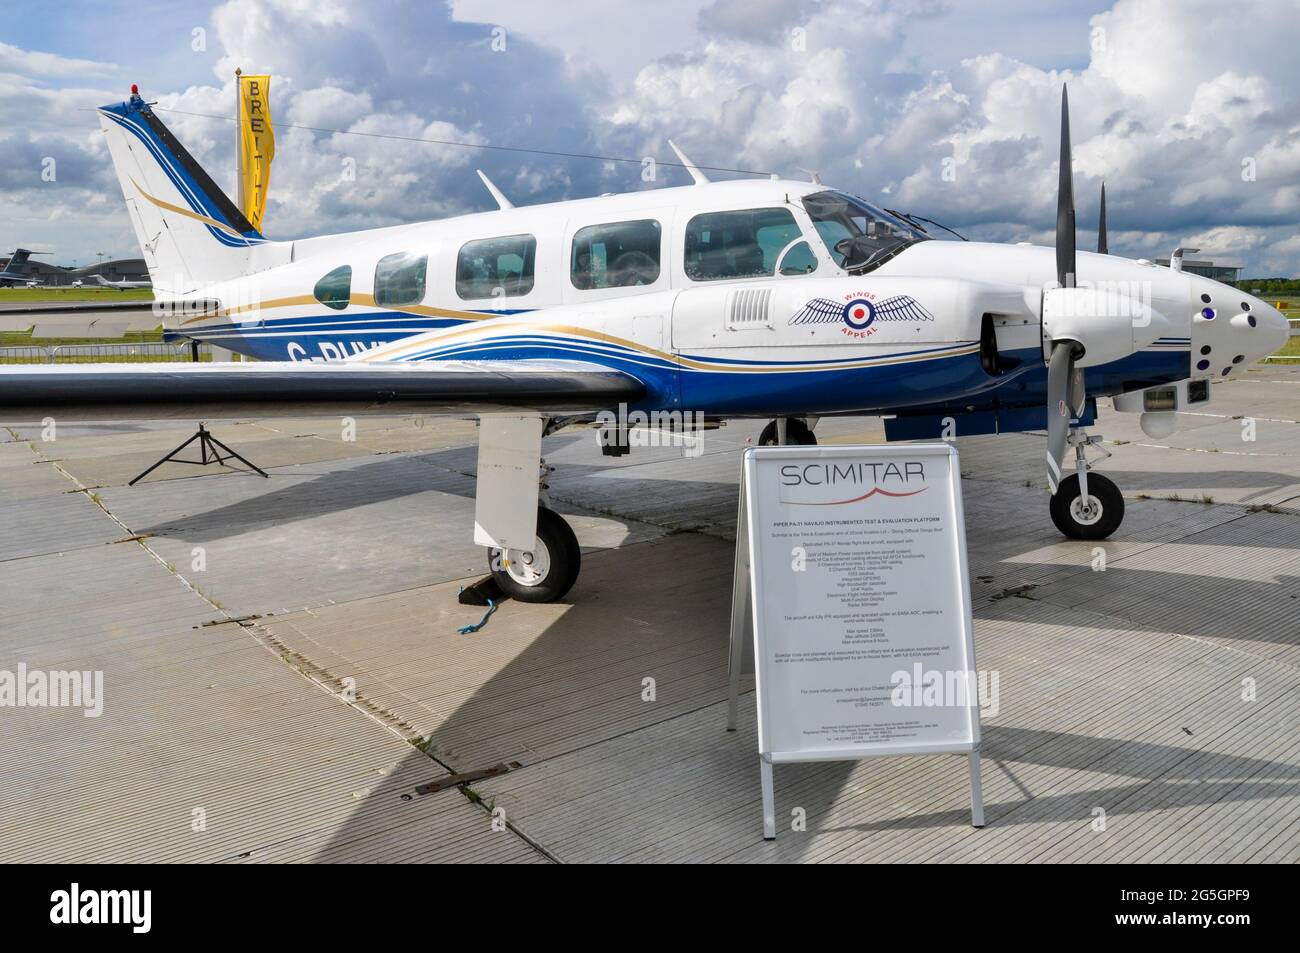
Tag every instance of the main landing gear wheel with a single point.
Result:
(1095, 517)
(546, 573)
(796, 432)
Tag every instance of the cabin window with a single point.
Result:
(618, 255)
(335, 289)
(741, 244)
(496, 267)
(399, 278)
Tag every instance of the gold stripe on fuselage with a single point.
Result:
(360, 300)
(589, 335)
(453, 334)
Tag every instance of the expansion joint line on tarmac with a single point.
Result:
(305, 667)
(130, 533)
(329, 682)
(1022, 591)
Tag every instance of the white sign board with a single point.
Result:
(854, 558)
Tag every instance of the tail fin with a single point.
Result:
(18, 261)
(190, 231)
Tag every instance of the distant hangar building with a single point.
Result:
(58, 276)
(1227, 274)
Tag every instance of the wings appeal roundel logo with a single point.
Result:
(859, 313)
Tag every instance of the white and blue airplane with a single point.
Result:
(741, 299)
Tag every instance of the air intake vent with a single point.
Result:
(749, 309)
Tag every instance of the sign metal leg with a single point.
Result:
(739, 607)
(737, 653)
(976, 791)
(769, 799)
(739, 610)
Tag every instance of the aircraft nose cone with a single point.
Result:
(1272, 328)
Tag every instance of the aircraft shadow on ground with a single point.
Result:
(1211, 591)
(1173, 775)
(603, 594)
(450, 471)
(1263, 481)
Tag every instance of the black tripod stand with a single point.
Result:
(209, 447)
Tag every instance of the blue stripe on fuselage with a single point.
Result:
(777, 390)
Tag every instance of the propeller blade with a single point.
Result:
(1101, 224)
(1060, 370)
(1065, 256)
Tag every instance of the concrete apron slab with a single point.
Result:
(1121, 690)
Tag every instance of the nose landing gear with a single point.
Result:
(1086, 505)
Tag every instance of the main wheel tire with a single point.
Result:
(1095, 519)
(548, 571)
(796, 432)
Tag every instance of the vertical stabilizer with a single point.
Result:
(190, 232)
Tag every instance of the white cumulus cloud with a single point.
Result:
(1189, 110)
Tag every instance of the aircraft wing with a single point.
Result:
(163, 391)
(101, 319)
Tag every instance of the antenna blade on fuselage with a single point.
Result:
(502, 202)
(699, 177)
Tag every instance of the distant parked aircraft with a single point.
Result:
(18, 270)
(121, 285)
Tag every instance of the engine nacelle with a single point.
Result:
(1105, 323)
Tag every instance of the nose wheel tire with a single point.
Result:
(545, 573)
(1093, 518)
(796, 432)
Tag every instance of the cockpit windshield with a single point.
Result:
(858, 235)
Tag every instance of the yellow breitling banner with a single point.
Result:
(256, 146)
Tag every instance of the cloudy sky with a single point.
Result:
(1189, 109)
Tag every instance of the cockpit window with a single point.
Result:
(858, 235)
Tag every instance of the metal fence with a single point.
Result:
(101, 353)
